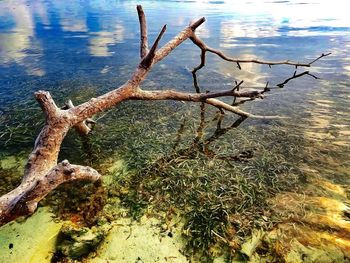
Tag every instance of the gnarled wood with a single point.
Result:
(24, 199)
(42, 174)
(83, 128)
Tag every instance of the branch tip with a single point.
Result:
(197, 23)
(47, 103)
(143, 32)
(148, 59)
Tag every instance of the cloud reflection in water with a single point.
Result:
(19, 39)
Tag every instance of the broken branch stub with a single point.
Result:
(43, 173)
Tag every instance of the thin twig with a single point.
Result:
(281, 85)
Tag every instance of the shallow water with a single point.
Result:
(80, 49)
(67, 47)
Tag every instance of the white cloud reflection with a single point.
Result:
(71, 24)
(258, 19)
(16, 42)
(72, 16)
(232, 29)
(19, 43)
(99, 41)
(243, 19)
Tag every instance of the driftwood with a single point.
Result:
(43, 173)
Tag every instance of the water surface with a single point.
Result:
(80, 49)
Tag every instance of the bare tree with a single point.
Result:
(43, 173)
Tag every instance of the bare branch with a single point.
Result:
(143, 32)
(204, 48)
(256, 61)
(259, 93)
(24, 199)
(322, 55)
(181, 96)
(176, 41)
(148, 59)
(194, 71)
(200, 43)
(112, 98)
(197, 23)
(47, 104)
(281, 85)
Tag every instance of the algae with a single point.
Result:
(249, 247)
(11, 171)
(12, 162)
(74, 241)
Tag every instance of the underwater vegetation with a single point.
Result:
(220, 190)
(219, 197)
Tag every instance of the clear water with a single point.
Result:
(80, 49)
(54, 45)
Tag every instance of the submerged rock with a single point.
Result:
(249, 247)
(30, 241)
(75, 242)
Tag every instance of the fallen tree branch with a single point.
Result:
(194, 97)
(24, 199)
(43, 173)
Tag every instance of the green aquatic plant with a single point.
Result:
(10, 171)
(83, 206)
(222, 198)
